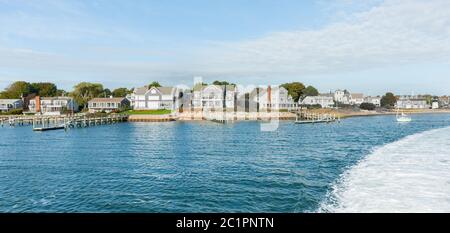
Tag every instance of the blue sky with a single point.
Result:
(369, 46)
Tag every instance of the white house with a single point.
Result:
(155, 98)
(108, 104)
(10, 104)
(214, 97)
(342, 97)
(409, 102)
(356, 98)
(274, 98)
(373, 100)
(435, 105)
(52, 105)
(323, 101)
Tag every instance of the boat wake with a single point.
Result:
(410, 175)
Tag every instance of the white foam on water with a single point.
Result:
(409, 175)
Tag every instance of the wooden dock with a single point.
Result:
(16, 120)
(44, 123)
(315, 118)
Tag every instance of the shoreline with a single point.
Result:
(343, 113)
(261, 116)
(265, 116)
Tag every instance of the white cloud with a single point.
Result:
(31, 65)
(393, 33)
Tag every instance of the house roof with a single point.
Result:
(57, 98)
(141, 90)
(327, 95)
(9, 101)
(357, 95)
(164, 90)
(107, 100)
(413, 99)
(221, 87)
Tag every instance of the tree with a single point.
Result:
(17, 90)
(44, 89)
(84, 91)
(222, 83)
(388, 100)
(105, 93)
(154, 84)
(295, 89)
(428, 98)
(61, 92)
(121, 92)
(310, 91)
(367, 106)
(198, 86)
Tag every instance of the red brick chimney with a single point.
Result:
(38, 103)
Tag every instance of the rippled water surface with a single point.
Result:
(189, 166)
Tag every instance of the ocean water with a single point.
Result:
(363, 164)
(409, 175)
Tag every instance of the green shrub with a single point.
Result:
(12, 112)
(367, 106)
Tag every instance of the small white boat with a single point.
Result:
(403, 118)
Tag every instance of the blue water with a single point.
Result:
(188, 166)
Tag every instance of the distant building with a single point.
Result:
(52, 105)
(322, 100)
(230, 98)
(108, 104)
(373, 100)
(412, 102)
(10, 104)
(444, 101)
(356, 98)
(214, 97)
(435, 104)
(26, 101)
(275, 98)
(342, 97)
(154, 98)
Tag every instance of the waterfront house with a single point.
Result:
(108, 104)
(435, 104)
(324, 101)
(412, 102)
(52, 105)
(214, 97)
(154, 98)
(356, 98)
(373, 100)
(444, 101)
(342, 96)
(274, 98)
(26, 101)
(10, 104)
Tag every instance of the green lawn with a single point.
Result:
(148, 112)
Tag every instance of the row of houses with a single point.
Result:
(212, 98)
(340, 97)
(200, 98)
(422, 102)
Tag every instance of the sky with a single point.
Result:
(370, 46)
